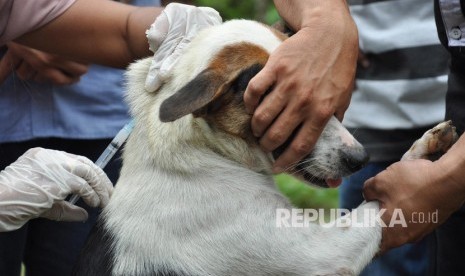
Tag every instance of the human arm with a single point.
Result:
(37, 184)
(419, 187)
(311, 76)
(31, 64)
(168, 36)
(107, 33)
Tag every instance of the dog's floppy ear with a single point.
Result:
(204, 89)
(193, 96)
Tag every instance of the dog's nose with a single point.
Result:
(354, 158)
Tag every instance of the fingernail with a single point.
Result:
(277, 170)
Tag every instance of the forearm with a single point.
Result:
(108, 33)
(301, 13)
(451, 169)
(138, 22)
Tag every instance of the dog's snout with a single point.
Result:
(354, 158)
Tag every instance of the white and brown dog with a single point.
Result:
(196, 195)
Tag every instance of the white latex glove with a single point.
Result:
(39, 181)
(171, 32)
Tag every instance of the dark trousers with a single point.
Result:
(448, 250)
(47, 247)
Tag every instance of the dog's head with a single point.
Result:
(218, 65)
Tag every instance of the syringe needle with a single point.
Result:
(110, 150)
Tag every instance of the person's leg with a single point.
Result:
(410, 259)
(11, 251)
(449, 246)
(52, 247)
(350, 191)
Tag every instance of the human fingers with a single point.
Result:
(371, 189)
(69, 67)
(300, 146)
(49, 67)
(281, 130)
(25, 71)
(268, 110)
(8, 64)
(56, 77)
(168, 62)
(257, 87)
(97, 179)
(154, 79)
(374, 190)
(65, 211)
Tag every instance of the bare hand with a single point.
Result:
(311, 78)
(417, 188)
(35, 65)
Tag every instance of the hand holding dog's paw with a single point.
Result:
(414, 188)
(417, 187)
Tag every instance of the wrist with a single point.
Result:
(313, 13)
(158, 32)
(330, 19)
(450, 173)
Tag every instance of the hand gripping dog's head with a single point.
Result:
(201, 105)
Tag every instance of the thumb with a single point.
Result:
(65, 211)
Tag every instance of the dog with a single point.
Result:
(196, 194)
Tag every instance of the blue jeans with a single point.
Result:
(46, 247)
(409, 259)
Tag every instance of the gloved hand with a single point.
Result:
(39, 181)
(171, 32)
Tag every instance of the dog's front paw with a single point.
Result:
(433, 143)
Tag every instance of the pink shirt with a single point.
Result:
(18, 17)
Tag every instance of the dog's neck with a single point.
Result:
(189, 146)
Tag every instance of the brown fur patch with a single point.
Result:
(234, 58)
(232, 118)
(230, 115)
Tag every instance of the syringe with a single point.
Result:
(111, 150)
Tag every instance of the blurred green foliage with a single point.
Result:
(230, 9)
(305, 196)
(300, 194)
(261, 10)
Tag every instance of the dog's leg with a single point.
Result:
(340, 247)
(433, 143)
(360, 238)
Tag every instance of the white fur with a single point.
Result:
(180, 205)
